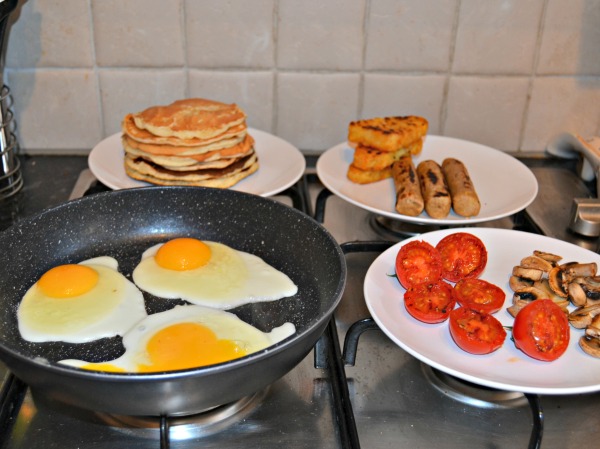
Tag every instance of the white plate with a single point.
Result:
(507, 368)
(504, 184)
(280, 165)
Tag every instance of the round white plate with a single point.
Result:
(507, 368)
(504, 184)
(280, 165)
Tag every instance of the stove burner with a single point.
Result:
(186, 427)
(397, 230)
(470, 393)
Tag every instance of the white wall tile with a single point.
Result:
(561, 104)
(571, 38)
(138, 33)
(504, 72)
(497, 36)
(232, 33)
(57, 111)
(50, 33)
(410, 35)
(320, 35)
(393, 95)
(126, 91)
(486, 110)
(252, 91)
(314, 109)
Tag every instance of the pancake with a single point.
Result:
(190, 118)
(221, 183)
(148, 172)
(144, 136)
(217, 150)
(194, 142)
(184, 164)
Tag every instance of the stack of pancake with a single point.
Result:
(192, 142)
(381, 141)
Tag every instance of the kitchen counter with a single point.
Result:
(48, 181)
(395, 399)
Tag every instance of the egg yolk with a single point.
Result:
(183, 254)
(67, 281)
(107, 367)
(188, 345)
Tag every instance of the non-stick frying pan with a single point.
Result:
(122, 224)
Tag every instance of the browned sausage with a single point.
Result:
(434, 189)
(409, 200)
(465, 201)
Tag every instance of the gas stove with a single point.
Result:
(357, 388)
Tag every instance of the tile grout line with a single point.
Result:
(275, 69)
(449, 74)
(361, 78)
(96, 68)
(186, 65)
(532, 75)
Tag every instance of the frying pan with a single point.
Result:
(122, 224)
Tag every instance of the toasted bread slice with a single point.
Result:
(368, 176)
(387, 133)
(367, 158)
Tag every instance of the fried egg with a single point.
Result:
(210, 274)
(187, 337)
(78, 303)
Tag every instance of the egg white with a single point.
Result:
(230, 278)
(224, 324)
(111, 308)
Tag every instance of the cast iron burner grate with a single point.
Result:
(457, 389)
(396, 230)
(470, 393)
(168, 429)
(465, 392)
(389, 228)
(181, 428)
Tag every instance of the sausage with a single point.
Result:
(409, 200)
(434, 189)
(465, 201)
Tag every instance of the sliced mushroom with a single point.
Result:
(544, 285)
(556, 281)
(591, 345)
(576, 294)
(517, 283)
(522, 297)
(552, 258)
(583, 316)
(517, 305)
(593, 330)
(536, 262)
(575, 270)
(584, 291)
(561, 276)
(529, 294)
(563, 304)
(532, 274)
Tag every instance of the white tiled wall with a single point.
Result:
(506, 73)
